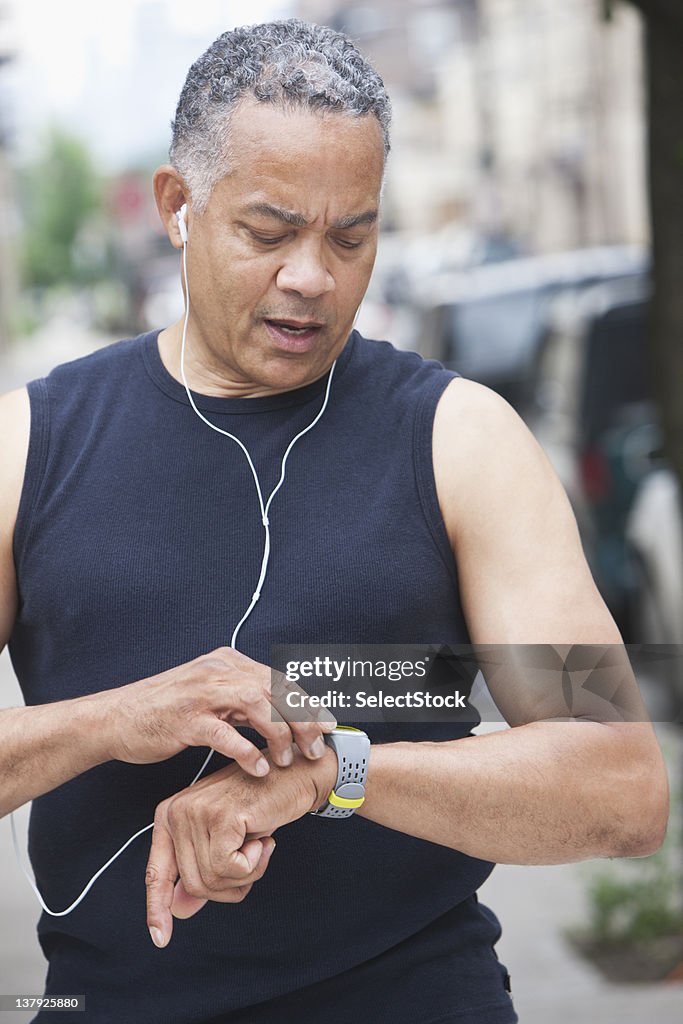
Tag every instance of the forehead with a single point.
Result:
(306, 159)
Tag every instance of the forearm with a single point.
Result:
(544, 793)
(43, 746)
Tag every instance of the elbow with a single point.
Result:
(650, 837)
(646, 823)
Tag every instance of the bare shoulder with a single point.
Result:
(485, 457)
(472, 408)
(15, 423)
(522, 572)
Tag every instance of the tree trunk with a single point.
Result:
(664, 47)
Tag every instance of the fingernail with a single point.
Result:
(262, 767)
(328, 726)
(286, 757)
(157, 937)
(318, 747)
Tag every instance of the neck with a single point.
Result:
(207, 375)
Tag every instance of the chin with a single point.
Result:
(286, 371)
(289, 377)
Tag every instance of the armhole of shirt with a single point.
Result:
(423, 457)
(36, 462)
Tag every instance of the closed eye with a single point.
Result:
(347, 243)
(268, 239)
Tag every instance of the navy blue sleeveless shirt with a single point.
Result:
(138, 546)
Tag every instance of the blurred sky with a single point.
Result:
(112, 72)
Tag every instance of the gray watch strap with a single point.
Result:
(352, 747)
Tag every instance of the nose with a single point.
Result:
(304, 272)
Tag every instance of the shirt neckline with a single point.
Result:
(217, 404)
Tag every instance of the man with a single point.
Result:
(416, 508)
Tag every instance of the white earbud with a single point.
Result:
(182, 223)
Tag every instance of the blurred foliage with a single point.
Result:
(638, 905)
(62, 198)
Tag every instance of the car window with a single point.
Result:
(490, 335)
(615, 370)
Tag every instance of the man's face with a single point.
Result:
(281, 257)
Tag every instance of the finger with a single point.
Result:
(308, 725)
(262, 716)
(222, 855)
(309, 739)
(184, 905)
(223, 868)
(228, 890)
(267, 850)
(189, 843)
(259, 854)
(226, 867)
(223, 738)
(160, 876)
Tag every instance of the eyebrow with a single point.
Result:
(298, 220)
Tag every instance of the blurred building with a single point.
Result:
(521, 117)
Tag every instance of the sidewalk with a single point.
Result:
(550, 983)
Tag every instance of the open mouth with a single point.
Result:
(295, 327)
(293, 335)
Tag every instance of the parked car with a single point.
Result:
(595, 414)
(616, 436)
(490, 322)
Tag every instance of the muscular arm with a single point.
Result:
(544, 791)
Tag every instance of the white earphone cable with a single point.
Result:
(255, 597)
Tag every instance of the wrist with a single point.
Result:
(97, 716)
(316, 778)
(323, 776)
(77, 725)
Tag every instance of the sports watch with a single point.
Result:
(352, 747)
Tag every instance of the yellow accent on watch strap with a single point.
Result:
(341, 801)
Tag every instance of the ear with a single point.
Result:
(170, 192)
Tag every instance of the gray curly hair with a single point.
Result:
(291, 63)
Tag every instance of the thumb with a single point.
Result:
(252, 850)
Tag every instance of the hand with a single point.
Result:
(199, 703)
(217, 835)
